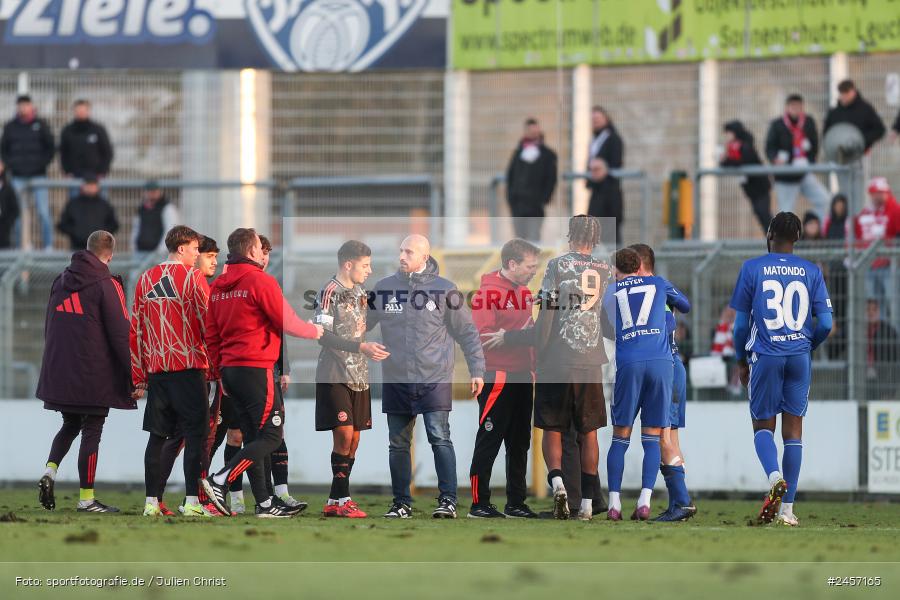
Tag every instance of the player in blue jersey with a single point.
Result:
(644, 373)
(672, 465)
(776, 297)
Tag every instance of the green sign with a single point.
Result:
(500, 34)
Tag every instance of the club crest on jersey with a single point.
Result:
(392, 306)
(330, 35)
(276, 420)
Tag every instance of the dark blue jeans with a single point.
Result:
(400, 434)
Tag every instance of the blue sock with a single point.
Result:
(764, 440)
(675, 483)
(615, 462)
(651, 460)
(793, 456)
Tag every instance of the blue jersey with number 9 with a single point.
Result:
(782, 293)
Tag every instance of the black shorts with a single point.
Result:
(177, 404)
(337, 406)
(578, 402)
(228, 414)
(256, 396)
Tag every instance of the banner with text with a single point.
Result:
(500, 34)
(884, 447)
(286, 35)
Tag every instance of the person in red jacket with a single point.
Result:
(503, 303)
(85, 369)
(878, 220)
(168, 357)
(247, 316)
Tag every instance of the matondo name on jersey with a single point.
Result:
(784, 270)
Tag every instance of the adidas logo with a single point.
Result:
(162, 289)
(72, 304)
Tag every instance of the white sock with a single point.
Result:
(281, 490)
(153, 501)
(192, 500)
(774, 476)
(51, 473)
(787, 508)
(239, 496)
(83, 503)
(615, 502)
(333, 502)
(220, 478)
(586, 505)
(266, 503)
(557, 484)
(342, 501)
(644, 498)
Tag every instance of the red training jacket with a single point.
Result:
(501, 304)
(247, 314)
(167, 321)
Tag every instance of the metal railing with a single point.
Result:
(384, 183)
(853, 171)
(570, 176)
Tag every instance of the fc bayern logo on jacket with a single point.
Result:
(330, 35)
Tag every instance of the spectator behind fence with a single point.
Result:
(530, 181)
(84, 145)
(878, 220)
(86, 213)
(607, 152)
(852, 108)
(793, 140)
(9, 209)
(27, 149)
(836, 223)
(882, 353)
(155, 216)
(812, 227)
(740, 151)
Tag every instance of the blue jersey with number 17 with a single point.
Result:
(782, 293)
(639, 304)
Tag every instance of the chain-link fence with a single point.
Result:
(163, 124)
(858, 359)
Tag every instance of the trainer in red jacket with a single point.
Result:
(246, 317)
(879, 219)
(503, 303)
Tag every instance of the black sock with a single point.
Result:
(340, 476)
(553, 473)
(280, 464)
(171, 448)
(230, 451)
(588, 485)
(350, 462)
(70, 429)
(152, 456)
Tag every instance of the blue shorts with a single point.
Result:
(779, 384)
(644, 386)
(679, 395)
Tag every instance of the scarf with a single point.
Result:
(797, 135)
(733, 150)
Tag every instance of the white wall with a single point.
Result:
(718, 447)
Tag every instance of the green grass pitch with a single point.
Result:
(717, 554)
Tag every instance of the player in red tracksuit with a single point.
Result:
(504, 303)
(247, 316)
(168, 356)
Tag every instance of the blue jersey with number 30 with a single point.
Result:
(639, 304)
(782, 293)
